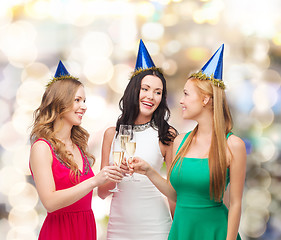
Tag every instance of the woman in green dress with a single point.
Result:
(207, 159)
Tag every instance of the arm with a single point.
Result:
(106, 146)
(140, 166)
(168, 159)
(164, 186)
(41, 166)
(226, 197)
(237, 178)
(169, 154)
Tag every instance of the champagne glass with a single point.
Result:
(130, 149)
(124, 136)
(117, 155)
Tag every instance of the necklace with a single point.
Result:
(142, 127)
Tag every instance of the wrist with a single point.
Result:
(94, 182)
(149, 172)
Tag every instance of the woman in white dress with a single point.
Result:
(139, 210)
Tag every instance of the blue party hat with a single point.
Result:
(61, 70)
(212, 70)
(144, 61)
(61, 73)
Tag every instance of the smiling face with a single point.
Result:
(78, 109)
(192, 102)
(150, 96)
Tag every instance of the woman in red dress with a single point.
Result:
(59, 161)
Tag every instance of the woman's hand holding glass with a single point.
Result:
(109, 173)
(124, 167)
(138, 165)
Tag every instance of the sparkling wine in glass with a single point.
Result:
(123, 140)
(130, 149)
(117, 155)
(125, 132)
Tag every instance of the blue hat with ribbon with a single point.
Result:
(212, 70)
(61, 73)
(144, 61)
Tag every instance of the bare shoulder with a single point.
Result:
(40, 146)
(109, 133)
(40, 152)
(179, 139)
(177, 142)
(236, 144)
(238, 152)
(108, 138)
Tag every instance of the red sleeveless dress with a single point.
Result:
(75, 221)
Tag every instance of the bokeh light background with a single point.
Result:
(98, 40)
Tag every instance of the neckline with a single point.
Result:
(83, 161)
(144, 126)
(196, 158)
(85, 165)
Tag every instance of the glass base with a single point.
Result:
(134, 180)
(130, 178)
(115, 190)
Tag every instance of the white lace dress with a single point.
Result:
(140, 211)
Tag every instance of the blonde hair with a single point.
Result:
(222, 125)
(57, 100)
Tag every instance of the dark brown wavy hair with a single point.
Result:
(129, 105)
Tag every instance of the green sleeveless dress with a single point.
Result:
(196, 217)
